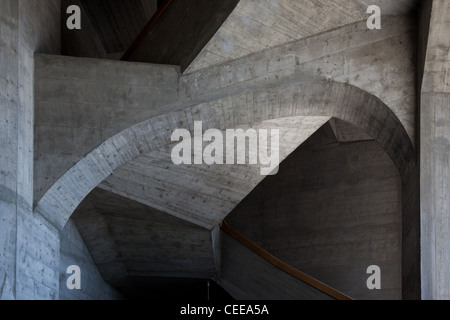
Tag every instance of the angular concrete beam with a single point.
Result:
(327, 99)
(381, 62)
(74, 117)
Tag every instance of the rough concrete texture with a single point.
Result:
(9, 97)
(345, 55)
(183, 191)
(9, 26)
(381, 62)
(128, 239)
(93, 117)
(296, 100)
(73, 251)
(37, 242)
(81, 103)
(29, 244)
(435, 161)
(411, 250)
(267, 89)
(37, 259)
(257, 25)
(333, 210)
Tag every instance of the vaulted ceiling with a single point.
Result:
(258, 25)
(152, 218)
(198, 33)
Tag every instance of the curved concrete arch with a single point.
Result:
(326, 99)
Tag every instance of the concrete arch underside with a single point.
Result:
(297, 109)
(307, 104)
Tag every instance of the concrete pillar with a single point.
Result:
(435, 156)
(29, 253)
(9, 26)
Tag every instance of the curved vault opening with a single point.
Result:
(333, 210)
(322, 100)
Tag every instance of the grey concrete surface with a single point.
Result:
(9, 96)
(37, 241)
(202, 194)
(29, 244)
(293, 100)
(68, 124)
(257, 25)
(381, 62)
(81, 103)
(333, 210)
(130, 240)
(73, 251)
(435, 150)
(344, 55)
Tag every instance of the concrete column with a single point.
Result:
(435, 156)
(29, 245)
(9, 25)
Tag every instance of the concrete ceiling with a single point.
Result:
(256, 25)
(136, 246)
(182, 33)
(128, 239)
(153, 218)
(201, 194)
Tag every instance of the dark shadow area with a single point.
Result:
(170, 289)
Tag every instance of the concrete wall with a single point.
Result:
(292, 102)
(9, 78)
(381, 62)
(411, 250)
(37, 241)
(73, 251)
(75, 98)
(333, 210)
(80, 103)
(435, 159)
(256, 25)
(247, 276)
(73, 117)
(28, 243)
